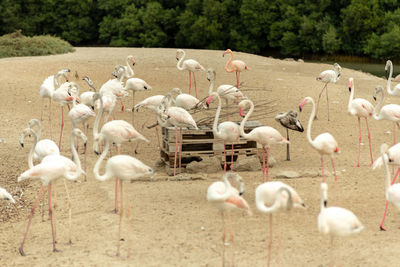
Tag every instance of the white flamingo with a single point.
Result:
(324, 144)
(50, 169)
(396, 89)
(390, 112)
(236, 66)
(117, 132)
(124, 168)
(79, 113)
(228, 131)
(227, 198)
(87, 98)
(190, 65)
(276, 197)
(184, 101)
(127, 71)
(360, 107)
(264, 135)
(336, 221)
(115, 86)
(328, 76)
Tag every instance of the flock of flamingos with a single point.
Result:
(174, 110)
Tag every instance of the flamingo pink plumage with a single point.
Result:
(328, 76)
(228, 131)
(190, 65)
(264, 135)
(276, 197)
(226, 198)
(360, 107)
(236, 66)
(325, 143)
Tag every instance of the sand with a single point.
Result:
(171, 223)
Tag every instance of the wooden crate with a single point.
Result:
(201, 143)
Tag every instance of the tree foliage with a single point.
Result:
(294, 27)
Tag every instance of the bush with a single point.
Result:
(17, 45)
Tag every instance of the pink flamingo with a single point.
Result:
(124, 168)
(264, 135)
(184, 101)
(396, 89)
(276, 197)
(50, 169)
(47, 90)
(328, 76)
(228, 131)
(336, 221)
(117, 132)
(325, 143)
(236, 66)
(190, 65)
(179, 118)
(360, 107)
(6, 196)
(115, 86)
(390, 155)
(390, 112)
(226, 198)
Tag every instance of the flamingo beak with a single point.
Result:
(208, 100)
(325, 203)
(241, 113)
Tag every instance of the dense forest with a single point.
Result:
(294, 28)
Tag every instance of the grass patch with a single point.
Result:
(17, 45)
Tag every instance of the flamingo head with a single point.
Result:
(350, 84)
(132, 60)
(179, 52)
(226, 52)
(208, 100)
(302, 104)
(241, 113)
(387, 66)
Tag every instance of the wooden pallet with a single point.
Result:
(201, 143)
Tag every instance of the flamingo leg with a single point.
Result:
(190, 81)
(231, 242)
(359, 142)
(369, 140)
(266, 174)
(225, 158)
(128, 216)
(180, 150)
(122, 106)
(53, 230)
(327, 101)
(195, 86)
(263, 166)
(279, 239)
(322, 167)
(55, 208)
(69, 212)
(120, 220)
(232, 159)
(62, 126)
(382, 227)
(223, 239)
(334, 173)
(237, 79)
(21, 248)
(319, 97)
(270, 240)
(287, 145)
(176, 149)
(84, 160)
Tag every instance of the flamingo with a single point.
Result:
(190, 65)
(50, 169)
(117, 132)
(48, 87)
(324, 143)
(228, 131)
(336, 221)
(392, 190)
(276, 197)
(184, 101)
(6, 196)
(396, 89)
(127, 71)
(360, 107)
(236, 66)
(63, 95)
(226, 91)
(87, 98)
(124, 168)
(289, 121)
(264, 135)
(179, 118)
(390, 112)
(115, 86)
(226, 198)
(328, 76)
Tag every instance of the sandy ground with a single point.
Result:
(171, 223)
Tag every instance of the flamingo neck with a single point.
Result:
(96, 168)
(242, 133)
(130, 72)
(388, 84)
(215, 125)
(98, 116)
(180, 61)
(75, 155)
(32, 151)
(351, 98)
(227, 69)
(310, 121)
(277, 204)
(378, 106)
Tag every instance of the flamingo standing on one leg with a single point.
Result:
(325, 143)
(117, 132)
(289, 121)
(390, 112)
(51, 168)
(361, 108)
(190, 65)
(392, 190)
(226, 198)
(264, 135)
(276, 197)
(228, 131)
(124, 168)
(336, 221)
(236, 66)
(328, 76)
